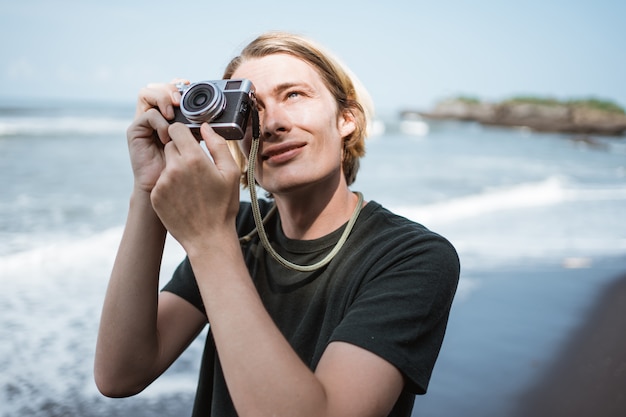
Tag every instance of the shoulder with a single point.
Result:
(393, 245)
(381, 225)
(405, 277)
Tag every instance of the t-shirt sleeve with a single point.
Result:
(401, 312)
(183, 284)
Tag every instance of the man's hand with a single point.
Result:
(197, 195)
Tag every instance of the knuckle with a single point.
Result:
(152, 112)
(176, 128)
(156, 194)
(196, 159)
(130, 131)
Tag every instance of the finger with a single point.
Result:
(159, 124)
(161, 96)
(171, 151)
(218, 147)
(151, 121)
(185, 140)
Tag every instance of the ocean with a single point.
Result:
(528, 213)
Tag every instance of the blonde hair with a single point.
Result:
(347, 90)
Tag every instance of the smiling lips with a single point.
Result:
(281, 152)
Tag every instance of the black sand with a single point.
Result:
(535, 340)
(588, 377)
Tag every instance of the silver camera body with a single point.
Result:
(226, 105)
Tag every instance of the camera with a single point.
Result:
(226, 105)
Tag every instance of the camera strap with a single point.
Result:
(259, 221)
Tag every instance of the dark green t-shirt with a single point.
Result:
(389, 290)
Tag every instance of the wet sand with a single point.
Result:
(588, 378)
(533, 341)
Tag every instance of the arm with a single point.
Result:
(264, 374)
(141, 333)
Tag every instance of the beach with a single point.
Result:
(538, 340)
(503, 356)
(588, 375)
(536, 327)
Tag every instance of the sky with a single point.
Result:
(409, 54)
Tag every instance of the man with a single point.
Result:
(358, 336)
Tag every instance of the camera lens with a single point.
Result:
(199, 100)
(202, 102)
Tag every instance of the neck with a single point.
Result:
(310, 215)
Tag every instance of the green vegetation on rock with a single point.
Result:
(546, 114)
(603, 105)
(588, 103)
(542, 101)
(468, 99)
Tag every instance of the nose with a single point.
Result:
(275, 121)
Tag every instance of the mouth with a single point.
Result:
(281, 152)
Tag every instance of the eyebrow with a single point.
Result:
(287, 85)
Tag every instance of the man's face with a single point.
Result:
(301, 132)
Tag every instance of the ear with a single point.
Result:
(346, 123)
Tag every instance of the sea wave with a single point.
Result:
(52, 303)
(553, 220)
(62, 126)
(560, 200)
(72, 258)
(550, 191)
(51, 306)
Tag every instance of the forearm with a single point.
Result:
(127, 347)
(264, 374)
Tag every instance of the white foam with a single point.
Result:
(549, 191)
(550, 220)
(62, 126)
(50, 303)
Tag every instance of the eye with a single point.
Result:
(293, 94)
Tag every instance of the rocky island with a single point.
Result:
(583, 117)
